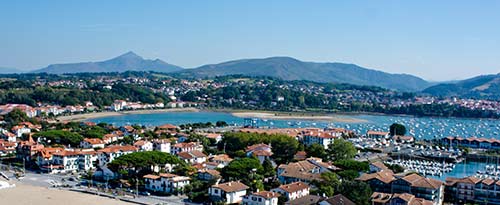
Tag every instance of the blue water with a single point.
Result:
(424, 128)
(463, 169)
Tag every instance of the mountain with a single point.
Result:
(126, 62)
(292, 69)
(484, 87)
(4, 70)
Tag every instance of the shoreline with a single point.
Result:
(93, 115)
(293, 116)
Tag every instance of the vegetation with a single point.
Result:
(397, 129)
(341, 149)
(140, 163)
(248, 170)
(284, 147)
(61, 137)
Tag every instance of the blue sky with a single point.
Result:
(437, 40)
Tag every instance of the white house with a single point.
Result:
(377, 135)
(186, 147)
(165, 183)
(215, 136)
(118, 105)
(67, 160)
(161, 145)
(108, 154)
(19, 130)
(87, 160)
(293, 191)
(143, 145)
(261, 198)
(229, 193)
(92, 143)
(261, 151)
(318, 137)
(193, 157)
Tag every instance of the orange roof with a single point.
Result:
(294, 187)
(167, 126)
(93, 141)
(118, 148)
(231, 186)
(267, 194)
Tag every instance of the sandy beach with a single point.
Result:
(296, 116)
(30, 195)
(86, 116)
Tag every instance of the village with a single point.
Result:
(223, 164)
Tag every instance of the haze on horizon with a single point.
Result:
(435, 40)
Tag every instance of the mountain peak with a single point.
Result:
(129, 55)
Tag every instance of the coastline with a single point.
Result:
(293, 116)
(93, 115)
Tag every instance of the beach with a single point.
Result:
(29, 195)
(87, 116)
(296, 116)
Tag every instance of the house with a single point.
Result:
(293, 190)
(208, 175)
(403, 139)
(229, 193)
(108, 154)
(165, 183)
(28, 149)
(193, 157)
(377, 167)
(304, 171)
(379, 198)
(300, 155)
(386, 182)
(7, 147)
(472, 190)
(338, 199)
(318, 137)
(377, 135)
(221, 159)
(261, 198)
(87, 160)
(118, 105)
(169, 127)
(109, 138)
(143, 145)
(57, 160)
(216, 137)
(162, 145)
(19, 130)
(186, 147)
(261, 151)
(9, 136)
(92, 143)
(306, 200)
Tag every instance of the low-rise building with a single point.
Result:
(304, 171)
(261, 198)
(379, 198)
(229, 193)
(293, 191)
(108, 154)
(162, 145)
(166, 183)
(143, 145)
(193, 157)
(472, 190)
(92, 143)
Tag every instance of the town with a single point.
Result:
(207, 163)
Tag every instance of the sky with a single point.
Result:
(435, 40)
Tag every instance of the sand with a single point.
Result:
(87, 116)
(31, 195)
(297, 116)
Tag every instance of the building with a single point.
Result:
(261, 198)
(7, 147)
(92, 143)
(472, 142)
(319, 137)
(186, 147)
(386, 182)
(162, 145)
(214, 136)
(377, 167)
(208, 175)
(193, 157)
(338, 199)
(293, 191)
(304, 171)
(261, 151)
(379, 198)
(229, 193)
(377, 135)
(472, 190)
(165, 183)
(108, 154)
(222, 160)
(143, 145)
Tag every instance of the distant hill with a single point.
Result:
(292, 69)
(10, 70)
(484, 86)
(126, 62)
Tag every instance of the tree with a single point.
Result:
(341, 149)
(139, 163)
(268, 168)
(220, 124)
(328, 184)
(397, 129)
(60, 137)
(349, 164)
(356, 191)
(316, 150)
(248, 170)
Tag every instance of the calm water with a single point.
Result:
(425, 127)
